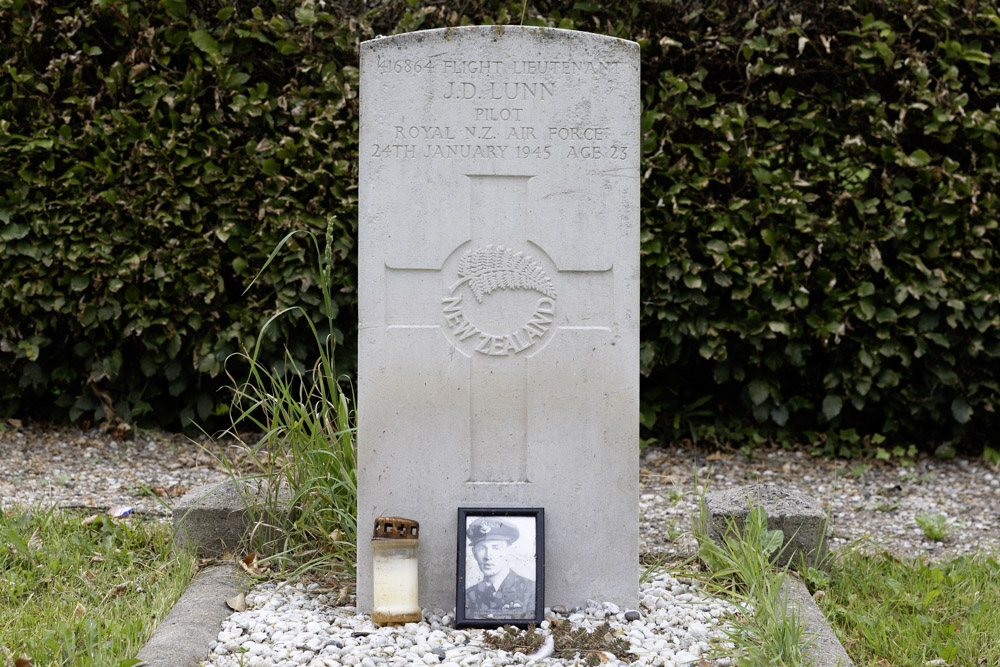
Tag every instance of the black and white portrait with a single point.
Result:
(500, 567)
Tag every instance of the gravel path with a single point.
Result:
(867, 500)
(676, 620)
(94, 469)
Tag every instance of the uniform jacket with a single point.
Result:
(514, 599)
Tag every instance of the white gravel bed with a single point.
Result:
(677, 623)
(866, 499)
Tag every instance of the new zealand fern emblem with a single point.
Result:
(491, 268)
(487, 269)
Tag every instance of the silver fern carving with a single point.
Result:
(491, 268)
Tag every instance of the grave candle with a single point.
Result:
(394, 570)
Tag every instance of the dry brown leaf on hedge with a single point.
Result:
(238, 602)
(119, 430)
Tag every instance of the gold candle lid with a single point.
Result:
(395, 528)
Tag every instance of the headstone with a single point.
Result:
(499, 297)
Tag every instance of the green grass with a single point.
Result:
(83, 595)
(889, 611)
(307, 447)
(886, 611)
(75, 594)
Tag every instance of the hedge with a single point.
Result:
(819, 205)
(820, 224)
(153, 155)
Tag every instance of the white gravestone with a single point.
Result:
(499, 297)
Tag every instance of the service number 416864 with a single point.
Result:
(390, 66)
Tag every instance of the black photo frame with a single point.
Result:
(500, 585)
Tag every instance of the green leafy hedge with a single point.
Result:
(819, 204)
(820, 224)
(152, 156)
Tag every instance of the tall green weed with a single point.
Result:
(303, 501)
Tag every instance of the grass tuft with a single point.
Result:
(935, 526)
(765, 632)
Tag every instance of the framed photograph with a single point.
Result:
(501, 567)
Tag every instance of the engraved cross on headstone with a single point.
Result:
(501, 385)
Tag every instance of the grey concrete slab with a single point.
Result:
(823, 648)
(182, 638)
(213, 517)
(799, 517)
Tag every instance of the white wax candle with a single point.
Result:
(395, 587)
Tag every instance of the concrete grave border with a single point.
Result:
(182, 638)
(803, 524)
(823, 648)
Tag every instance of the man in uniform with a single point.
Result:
(502, 593)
